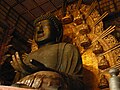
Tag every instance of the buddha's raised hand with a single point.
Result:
(17, 63)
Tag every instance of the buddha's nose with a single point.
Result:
(40, 31)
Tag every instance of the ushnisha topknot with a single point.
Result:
(54, 20)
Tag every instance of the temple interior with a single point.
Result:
(97, 37)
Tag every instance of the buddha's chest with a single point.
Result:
(46, 55)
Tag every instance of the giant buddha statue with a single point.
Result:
(55, 65)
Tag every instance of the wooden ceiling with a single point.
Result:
(31, 9)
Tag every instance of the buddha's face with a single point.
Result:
(43, 31)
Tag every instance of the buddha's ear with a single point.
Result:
(59, 37)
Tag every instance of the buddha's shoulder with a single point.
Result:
(52, 47)
(67, 44)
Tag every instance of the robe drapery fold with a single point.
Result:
(61, 57)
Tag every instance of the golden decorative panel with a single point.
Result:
(84, 28)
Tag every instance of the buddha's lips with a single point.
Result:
(41, 35)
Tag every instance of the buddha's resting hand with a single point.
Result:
(17, 63)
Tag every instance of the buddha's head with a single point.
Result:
(47, 29)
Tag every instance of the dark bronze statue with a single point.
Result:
(55, 65)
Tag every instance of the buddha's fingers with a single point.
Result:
(19, 62)
(18, 58)
(30, 41)
(14, 63)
